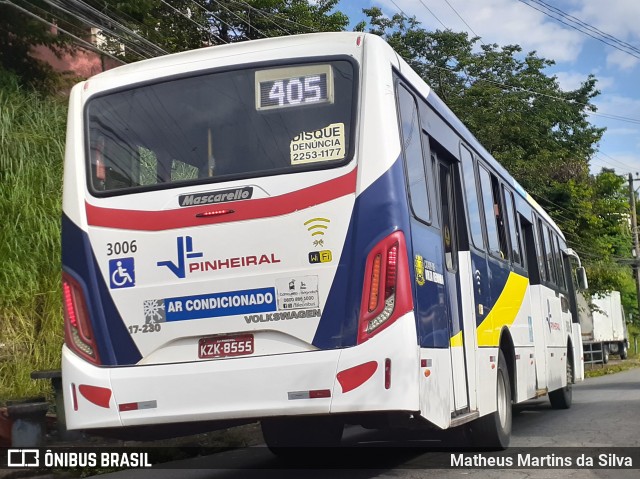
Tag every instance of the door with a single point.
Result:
(447, 182)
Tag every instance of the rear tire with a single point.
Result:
(623, 350)
(493, 431)
(605, 353)
(561, 398)
(284, 436)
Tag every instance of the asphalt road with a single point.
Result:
(605, 414)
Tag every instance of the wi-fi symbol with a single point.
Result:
(317, 226)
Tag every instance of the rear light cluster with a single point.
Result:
(387, 287)
(77, 329)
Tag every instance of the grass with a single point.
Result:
(612, 367)
(32, 136)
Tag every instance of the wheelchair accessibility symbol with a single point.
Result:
(122, 273)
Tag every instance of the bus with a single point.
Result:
(298, 231)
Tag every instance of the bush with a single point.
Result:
(32, 136)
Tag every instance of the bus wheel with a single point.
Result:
(561, 398)
(284, 435)
(494, 430)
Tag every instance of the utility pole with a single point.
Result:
(634, 233)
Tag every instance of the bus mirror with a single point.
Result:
(581, 274)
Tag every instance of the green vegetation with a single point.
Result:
(612, 367)
(19, 32)
(32, 134)
(214, 22)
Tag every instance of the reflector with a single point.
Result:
(96, 395)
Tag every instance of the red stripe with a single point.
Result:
(244, 210)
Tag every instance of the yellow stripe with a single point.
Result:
(456, 340)
(504, 310)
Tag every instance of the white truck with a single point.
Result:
(604, 329)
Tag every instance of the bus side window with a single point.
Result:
(542, 264)
(548, 252)
(498, 210)
(412, 148)
(514, 231)
(562, 283)
(471, 194)
(448, 217)
(489, 213)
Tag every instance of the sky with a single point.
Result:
(576, 54)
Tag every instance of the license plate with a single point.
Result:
(225, 346)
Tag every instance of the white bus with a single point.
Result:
(298, 231)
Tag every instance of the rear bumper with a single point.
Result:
(251, 387)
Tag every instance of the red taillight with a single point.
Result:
(392, 271)
(68, 304)
(375, 283)
(77, 330)
(386, 277)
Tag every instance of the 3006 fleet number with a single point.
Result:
(121, 247)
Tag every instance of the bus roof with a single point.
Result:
(310, 44)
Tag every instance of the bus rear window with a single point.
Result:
(221, 126)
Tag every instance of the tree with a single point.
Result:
(19, 32)
(186, 24)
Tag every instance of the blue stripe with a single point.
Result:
(378, 211)
(113, 341)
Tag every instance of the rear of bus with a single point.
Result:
(227, 252)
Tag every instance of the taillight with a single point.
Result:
(387, 287)
(78, 335)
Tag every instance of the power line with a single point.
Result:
(433, 14)
(624, 165)
(114, 20)
(588, 26)
(75, 37)
(460, 17)
(268, 17)
(292, 22)
(588, 107)
(210, 13)
(584, 28)
(139, 51)
(264, 35)
(606, 163)
(200, 26)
